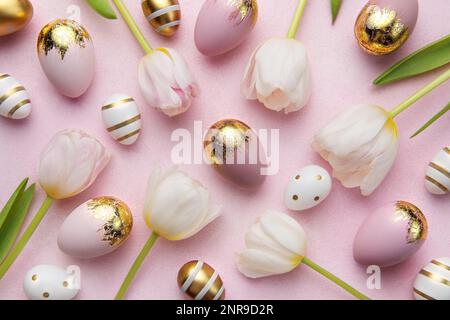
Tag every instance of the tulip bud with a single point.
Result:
(278, 75)
(177, 206)
(70, 163)
(166, 81)
(275, 244)
(360, 145)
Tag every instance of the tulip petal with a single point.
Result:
(256, 264)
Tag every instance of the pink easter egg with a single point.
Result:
(95, 228)
(66, 55)
(390, 235)
(222, 25)
(236, 152)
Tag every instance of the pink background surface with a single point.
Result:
(342, 77)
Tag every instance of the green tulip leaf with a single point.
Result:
(335, 6)
(14, 221)
(428, 58)
(103, 8)
(432, 120)
(7, 208)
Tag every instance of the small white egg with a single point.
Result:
(122, 118)
(48, 282)
(437, 179)
(307, 188)
(14, 100)
(433, 281)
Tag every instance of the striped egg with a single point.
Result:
(437, 180)
(433, 281)
(163, 15)
(14, 100)
(122, 118)
(200, 281)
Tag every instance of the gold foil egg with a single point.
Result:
(163, 15)
(95, 228)
(200, 281)
(383, 26)
(235, 151)
(14, 15)
(66, 54)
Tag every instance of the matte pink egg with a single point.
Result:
(66, 55)
(95, 228)
(390, 235)
(222, 25)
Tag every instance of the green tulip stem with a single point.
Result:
(133, 26)
(135, 267)
(296, 20)
(419, 94)
(335, 279)
(17, 249)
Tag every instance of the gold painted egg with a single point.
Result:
(383, 26)
(200, 281)
(235, 151)
(163, 15)
(95, 228)
(14, 15)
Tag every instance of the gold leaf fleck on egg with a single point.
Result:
(117, 219)
(417, 223)
(60, 34)
(246, 9)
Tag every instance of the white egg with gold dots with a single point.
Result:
(433, 281)
(307, 188)
(122, 118)
(14, 100)
(437, 179)
(49, 282)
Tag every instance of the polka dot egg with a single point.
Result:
(307, 188)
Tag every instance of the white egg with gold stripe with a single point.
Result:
(164, 16)
(200, 281)
(14, 100)
(433, 281)
(437, 179)
(122, 118)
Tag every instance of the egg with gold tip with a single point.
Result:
(437, 179)
(383, 26)
(433, 281)
(235, 151)
(66, 55)
(14, 100)
(164, 16)
(95, 228)
(122, 118)
(14, 15)
(200, 281)
(390, 235)
(222, 25)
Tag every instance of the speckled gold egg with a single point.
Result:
(14, 15)
(163, 15)
(234, 150)
(383, 26)
(200, 281)
(95, 228)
